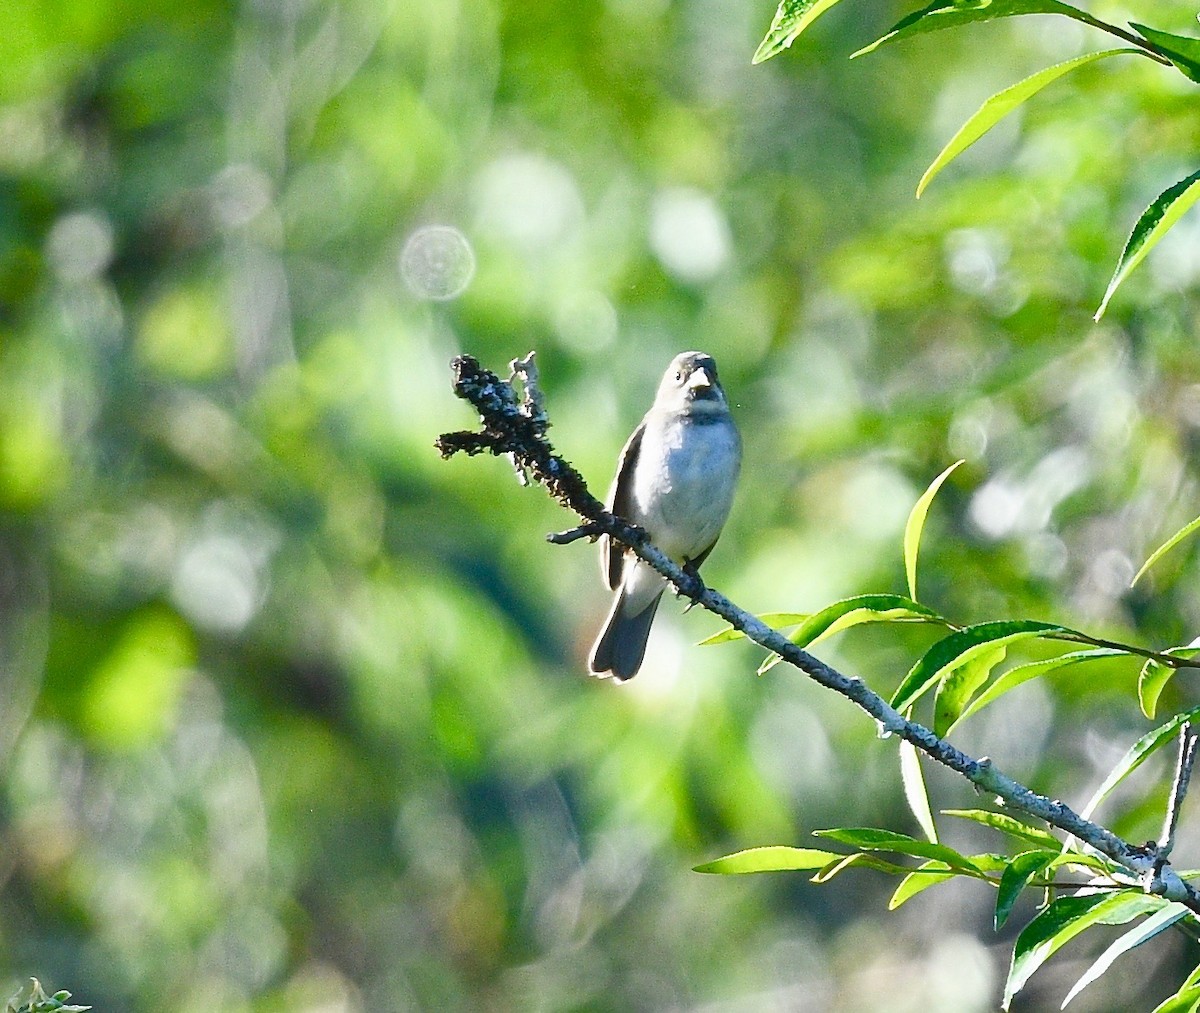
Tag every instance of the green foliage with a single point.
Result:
(38, 1002)
(1062, 921)
(1002, 104)
(1181, 52)
(916, 525)
(959, 665)
(295, 714)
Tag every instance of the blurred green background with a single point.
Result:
(294, 713)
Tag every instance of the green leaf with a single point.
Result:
(914, 788)
(960, 684)
(1023, 673)
(1064, 919)
(1000, 105)
(865, 861)
(792, 17)
(862, 608)
(770, 859)
(873, 839)
(1154, 676)
(1016, 877)
(776, 620)
(1008, 825)
(1167, 208)
(1146, 746)
(931, 873)
(1182, 50)
(1185, 1000)
(922, 878)
(1151, 927)
(952, 13)
(1166, 547)
(962, 647)
(916, 523)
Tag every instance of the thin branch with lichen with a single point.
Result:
(517, 429)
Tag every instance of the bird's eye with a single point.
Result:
(678, 376)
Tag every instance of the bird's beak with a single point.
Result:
(699, 378)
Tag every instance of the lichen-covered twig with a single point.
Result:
(517, 430)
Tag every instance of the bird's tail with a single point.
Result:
(621, 646)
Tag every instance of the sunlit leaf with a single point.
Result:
(1000, 105)
(792, 17)
(1064, 919)
(922, 878)
(1007, 824)
(1138, 753)
(776, 620)
(952, 13)
(1154, 676)
(1182, 50)
(770, 859)
(1186, 1000)
(916, 524)
(1016, 877)
(859, 860)
(914, 788)
(931, 873)
(1166, 546)
(1166, 209)
(1033, 670)
(960, 648)
(961, 683)
(862, 608)
(1151, 927)
(873, 839)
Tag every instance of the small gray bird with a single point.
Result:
(675, 478)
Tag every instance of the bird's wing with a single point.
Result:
(619, 502)
(699, 558)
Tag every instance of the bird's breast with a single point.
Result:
(684, 482)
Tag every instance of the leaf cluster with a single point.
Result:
(1081, 888)
(1179, 52)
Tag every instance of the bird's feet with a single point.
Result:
(693, 572)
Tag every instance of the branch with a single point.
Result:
(518, 429)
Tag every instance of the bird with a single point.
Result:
(675, 478)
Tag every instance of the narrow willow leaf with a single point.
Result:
(859, 860)
(1016, 877)
(952, 13)
(1146, 746)
(1151, 927)
(1166, 547)
(916, 523)
(1061, 922)
(770, 859)
(1186, 1000)
(1033, 670)
(1000, 105)
(961, 647)
(960, 684)
(1152, 679)
(1182, 50)
(931, 873)
(776, 620)
(920, 879)
(1008, 825)
(873, 839)
(1167, 208)
(914, 789)
(792, 17)
(862, 608)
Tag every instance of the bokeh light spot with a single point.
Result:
(437, 263)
